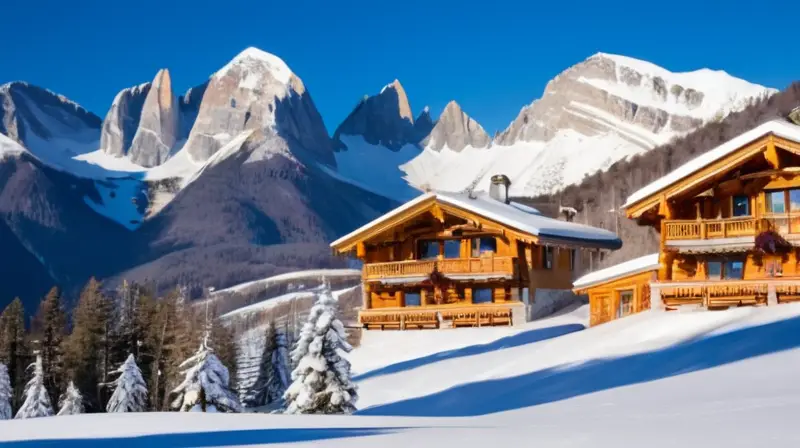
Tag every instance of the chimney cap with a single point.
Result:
(501, 179)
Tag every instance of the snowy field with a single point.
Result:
(689, 378)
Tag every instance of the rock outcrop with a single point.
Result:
(158, 127)
(424, 124)
(122, 120)
(456, 130)
(257, 91)
(383, 119)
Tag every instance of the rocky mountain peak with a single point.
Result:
(423, 125)
(159, 123)
(456, 130)
(383, 119)
(122, 120)
(257, 91)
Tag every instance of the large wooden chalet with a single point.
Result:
(729, 225)
(471, 259)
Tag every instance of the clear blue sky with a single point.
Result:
(493, 57)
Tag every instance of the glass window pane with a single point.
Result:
(714, 269)
(734, 270)
(428, 249)
(741, 205)
(452, 248)
(776, 202)
(413, 299)
(482, 295)
(625, 303)
(481, 245)
(548, 257)
(794, 199)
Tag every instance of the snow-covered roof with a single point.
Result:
(630, 267)
(516, 216)
(780, 128)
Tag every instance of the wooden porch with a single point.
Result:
(709, 229)
(442, 316)
(488, 266)
(726, 293)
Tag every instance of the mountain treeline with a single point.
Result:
(599, 198)
(88, 345)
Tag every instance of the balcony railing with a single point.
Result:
(712, 228)
(413, 268)
(726, 292)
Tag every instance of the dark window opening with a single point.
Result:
(428, 249)
(547, 257)
(482, 295)
(452, 249)
(482, 245)
(741, 206)
(413, 298)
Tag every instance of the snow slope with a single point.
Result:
(376, 167)
(655, 379)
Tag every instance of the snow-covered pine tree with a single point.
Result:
(274, 371)
(130, 391)
(6, 394)
(71, 402)
(37, 401)
(321, 382)
(206, 386)
(14, 351)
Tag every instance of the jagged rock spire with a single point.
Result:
(456, 130)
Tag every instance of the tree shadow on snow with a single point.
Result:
(563, 382)
(524, 338)
(208, 439)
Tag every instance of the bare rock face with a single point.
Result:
(424, 124)
(158, 124)
(605, 92)
(456, 130)
(257, 91)
(122, 120)
(27, 112)
(189, 108)
(383, 119)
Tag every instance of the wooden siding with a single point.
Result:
(604, 298)
(489, 265)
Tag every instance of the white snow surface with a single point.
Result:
(307, 275)
(254, 60)
(376, 168)
(655, 379)
(630, 267)
(523, 219)
(778, 127)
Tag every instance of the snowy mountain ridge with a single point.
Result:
(602, 110)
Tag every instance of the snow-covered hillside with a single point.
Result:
(602, 110)
(653, 379)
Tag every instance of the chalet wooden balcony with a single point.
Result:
(724, 293)
(686, 229)
(488, 266)
(443, 316)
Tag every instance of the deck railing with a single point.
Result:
(679, 229)
(726, 292)
(413, 268)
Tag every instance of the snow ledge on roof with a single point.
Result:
(630, 267)
(778, 127)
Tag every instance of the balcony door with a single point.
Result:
(783, 209)
(483, 245)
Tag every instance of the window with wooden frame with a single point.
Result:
(725, 269)
(413, 298)
(573, 254)
(626, 297)
(547, 257)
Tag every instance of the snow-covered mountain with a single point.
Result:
(593, 114)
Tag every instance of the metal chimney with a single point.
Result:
(498, 190)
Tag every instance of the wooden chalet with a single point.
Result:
(471, 259)
(729, 225)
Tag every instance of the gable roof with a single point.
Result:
(778, 127)
(514, 215)
(630, 267)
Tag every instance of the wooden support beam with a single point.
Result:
(665, 208)
(771, 154)
(361, 250)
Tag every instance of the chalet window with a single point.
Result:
(794, 199)
(714, 270)
(573, 254)
(428, 249)
(452, 248)
(482, 295)
(481, 245)
(733, 269)
(413, 298)
(625, 303)
(741, 206)
(776, 202)
(547, 257)
(725, 269)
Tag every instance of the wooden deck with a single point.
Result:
(500, 266)
(725, 293)
(441, 316)
(709, 229)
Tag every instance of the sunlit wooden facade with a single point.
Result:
(453, 260)
(729, 223)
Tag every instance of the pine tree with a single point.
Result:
(49, 329)
(6, 393)
(87, 348)
(321, 382)
(37, 400)
(71, 402)
(206, 387)
(130, 391)
(274, 372)
(14, 349)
